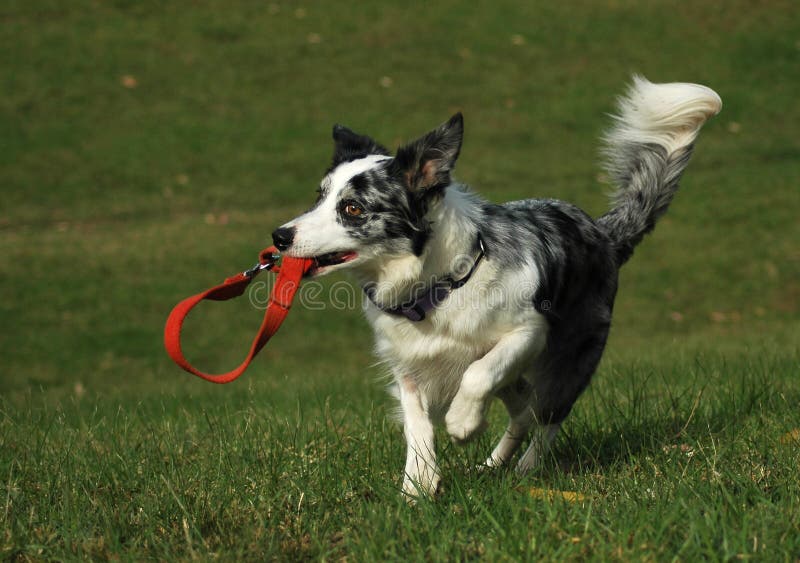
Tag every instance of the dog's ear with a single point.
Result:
(427, 162)
(349, 145)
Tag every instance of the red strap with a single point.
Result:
(286, 285)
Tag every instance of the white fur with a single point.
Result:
(317, 231)
(669, 115)
(474, 343)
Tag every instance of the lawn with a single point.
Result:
(149, 149)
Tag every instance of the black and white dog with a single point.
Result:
(470, 300)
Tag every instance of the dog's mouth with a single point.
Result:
(325, 261)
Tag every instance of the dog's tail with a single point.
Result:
(647, 150)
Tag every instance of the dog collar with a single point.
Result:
(417, 309)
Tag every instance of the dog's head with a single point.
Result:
(371, 204)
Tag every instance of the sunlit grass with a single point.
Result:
(147, 152)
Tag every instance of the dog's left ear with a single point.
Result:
(427, 162)
(349, 145)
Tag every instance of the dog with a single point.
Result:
(471, 300)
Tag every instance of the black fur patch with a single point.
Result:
(393, 217)
(349, 146)
(427, 162)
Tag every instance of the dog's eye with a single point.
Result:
(353, 210)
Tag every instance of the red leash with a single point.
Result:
(289, 274)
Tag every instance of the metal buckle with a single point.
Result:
(258, 267)
(481, 246)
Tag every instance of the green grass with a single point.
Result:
(119, 201)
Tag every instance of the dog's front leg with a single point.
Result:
(484, 377)
(421, 472)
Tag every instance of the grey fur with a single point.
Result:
(577, 285)
(648, 180)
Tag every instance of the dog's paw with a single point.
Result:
(465, 419)
(491, 464)
(486, 467)
(425, 487)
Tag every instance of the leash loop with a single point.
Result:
(290, 272)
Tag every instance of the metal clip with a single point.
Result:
(258, 267)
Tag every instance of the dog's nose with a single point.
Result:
(283, 237)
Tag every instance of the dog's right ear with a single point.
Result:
(349, 145)
(427, 162)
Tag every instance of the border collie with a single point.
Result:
(471, 300)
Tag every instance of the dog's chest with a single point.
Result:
(425, 351)
(434, 359)
(436, 352)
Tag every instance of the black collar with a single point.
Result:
(417, 308)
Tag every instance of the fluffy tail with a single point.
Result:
(647, 150)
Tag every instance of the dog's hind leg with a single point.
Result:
(421, 474)
(516, 398)
(561, 375)
(541, 440)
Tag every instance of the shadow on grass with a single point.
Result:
(654, 413)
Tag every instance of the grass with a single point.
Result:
(149, 149)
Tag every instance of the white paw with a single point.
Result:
(486, 467)
(465, 419)
(424, 485)
(490, 464)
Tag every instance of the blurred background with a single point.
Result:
(148, 150)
